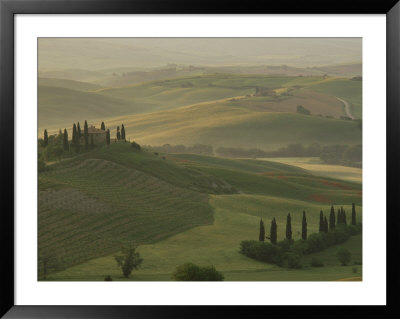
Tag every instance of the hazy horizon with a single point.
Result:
(108, 53)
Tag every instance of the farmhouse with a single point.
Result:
(96, 135)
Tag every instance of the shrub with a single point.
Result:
(316, 262)
(302, 110)
(41, 165)
(292, 260)
(355, 229)
(192, 272)
(354, 270)
(344, 256)
(286, 244)
(108, 278)
(135, 145)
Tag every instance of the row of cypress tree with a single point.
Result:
(323, 224)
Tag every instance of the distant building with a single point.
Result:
(97, 135)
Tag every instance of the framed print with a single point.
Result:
(162, 155)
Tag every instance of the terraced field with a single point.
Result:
(93, 208)
(178, 209)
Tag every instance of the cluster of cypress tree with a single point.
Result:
(121, 134)
(76, 136)
(324, 225)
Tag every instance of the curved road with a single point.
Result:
(346, 108)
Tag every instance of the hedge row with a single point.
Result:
(287, 253)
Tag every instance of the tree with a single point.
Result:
(77, 141)
(289, 227)
(108, 137)
(86, 135)
(123, 132)
(339, 217)
(332, 219)
(344, 217)
(261, 237)
(103, 127)
(74, 134)
(45, 138)
(60, 136)
(78, 129)
(321, 222)
(192, 272)
(326, 226)
(273, 232)
(304, 227)
(128, 260)
(65, 140)
(118, 134)
(344, 256)
(353, 215)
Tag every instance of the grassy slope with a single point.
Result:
(218, 244)
(219, 124)
(236, 216)
(89, 207)
(348, 90)
(68, 84)
(63, 107)
(317, 167)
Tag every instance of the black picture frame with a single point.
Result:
(8, 8)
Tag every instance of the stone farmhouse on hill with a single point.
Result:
(96, 136)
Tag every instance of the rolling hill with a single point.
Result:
(220, 124)
(220, 110)
(181, 208)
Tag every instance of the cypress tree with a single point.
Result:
(353, 215)
(77, 144)
(332, 219)
(60, 136)
(304, 227)
(78, 129)
(339, 217)
(273, 232)
(321, 222)
(262, 231)
(65, 140)
(326, 227)
(118, 134)
(86, 135)
(74, 134)
(344, 218)
(123, 132)
(45, 138)
(103, 127)
(289, 227)
(108, 137)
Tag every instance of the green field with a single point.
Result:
(316, 166)
(185, 208)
